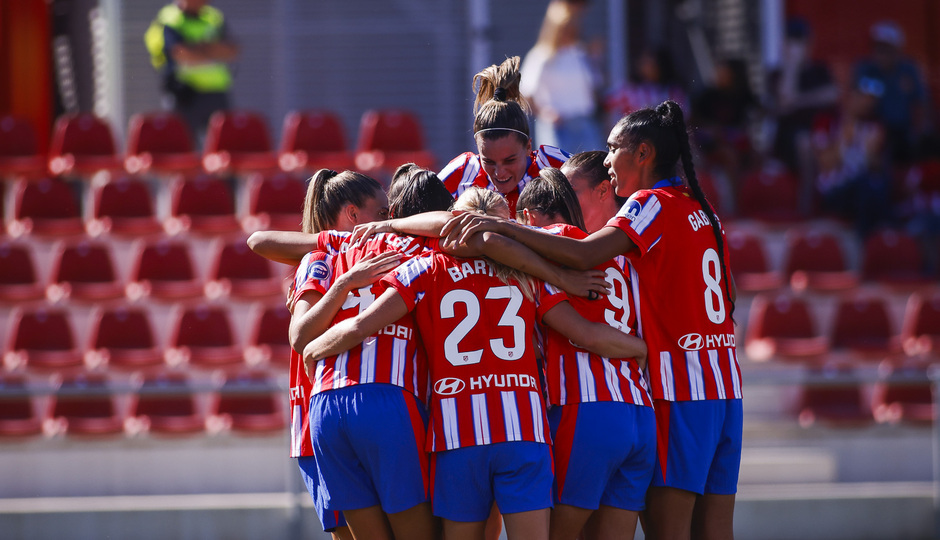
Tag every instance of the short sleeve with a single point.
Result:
(462, 170)
(409, 279)
(548, 297)
(315, 273)
(638, 218)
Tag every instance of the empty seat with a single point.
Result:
(239, 272)
(312, 140)
(19, 281)
(46, 207)
(770, 195)
(84, 405)
(123, 207)
(862, 326)
(815, 260)
(268, 342)
(920, 332)
(749, 265)
(202, 337)
(904, 394)
(42, 339)
(895, 259)
(203, 205)
(165, 404)
(160, 142)
(274, 202)
(82, 144)
(388, 138)
(17, 412)
(163, 269)
(19, 150)
(122, 338)
(837, 403)
(84, 271)
(238, 141)
(249, 402)
(782, 327)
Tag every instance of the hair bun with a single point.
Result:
(499, 94)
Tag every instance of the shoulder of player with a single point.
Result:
(549, 156)
(454, 171)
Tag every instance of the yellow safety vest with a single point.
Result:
(209, 77)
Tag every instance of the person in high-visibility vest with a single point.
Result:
(189, 45)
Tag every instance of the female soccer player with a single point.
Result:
(588, 177)
(601, 413)
(675, 244)
(505, 160)
(488, 430)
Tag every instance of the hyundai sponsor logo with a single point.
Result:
(449, 386)
(692, 342)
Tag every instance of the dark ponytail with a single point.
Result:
(551, 194)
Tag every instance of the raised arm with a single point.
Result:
(427, 224)
(287, 247)
(346, 334)
(598, 338)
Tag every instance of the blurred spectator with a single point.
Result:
(800, 89)
(653, 81)
(854, 181)
(902, 105)
(560, 82)
(189, 44)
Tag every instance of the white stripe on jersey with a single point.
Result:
(716, 369)
(561, 377)
(585, 377)
(647, 214)
(545, 152)
(511, 416)
(367, 361)
(409, 271)
(339, 370)
(318, 377)
(451, 426)
(635, 289)
(693, 364)
(665, 374)
(470, 172)
(733, 369)
(610, 375)
(399, 360)
(535, 400)
(296, 425)
(634, 390)
(481, 421)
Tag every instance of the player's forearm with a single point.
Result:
(287, 247)
(609, 342)
(316, 320)
(515, 254)
(427, 224)
(340, 337)
(567, 251)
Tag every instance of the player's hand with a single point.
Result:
(364, 231)
(591, 283)
(464, 225)
(370, 269)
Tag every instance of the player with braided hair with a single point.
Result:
(684, 301)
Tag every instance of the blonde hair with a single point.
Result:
(560, 26)
(490, 203)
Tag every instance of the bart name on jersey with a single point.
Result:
(479, 266)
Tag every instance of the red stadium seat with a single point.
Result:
(84, 405)
(769, 195)
(274, 202)
(84, 271)
(893, 258)
(203, 338)
(389, 138)
(815, 261)
(160, 142)
(268, 342)
(17, 412)
(122, 338)
(82, 144)
(839, 404)
(163, 270)
(203, 205)
(19, 151)
(904, 394)
(249, 402)
(18, 279)
(862, 326)
(42, 339)
(312, 140)
(123, 207)
(749, 264)
(238, 141)
(46, 207)
(165, 404)
(920, 332)
(239, 272)
(782, 327)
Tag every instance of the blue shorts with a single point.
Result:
(368, 441)
(466, 481)
(699, 445)
(604, 454)
(308, 471)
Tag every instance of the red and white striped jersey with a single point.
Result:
(466, 170)
(485, 385)
(393, 356)
(679, 284)
(578, 376)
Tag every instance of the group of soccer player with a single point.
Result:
(534, 354)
